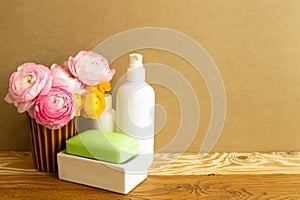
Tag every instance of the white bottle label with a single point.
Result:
(140, 107)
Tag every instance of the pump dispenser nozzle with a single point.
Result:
(136, 60)
(136, 70)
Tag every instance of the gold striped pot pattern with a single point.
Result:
(46, 143)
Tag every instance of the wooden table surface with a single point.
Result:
(172, 176)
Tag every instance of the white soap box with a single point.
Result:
(113, 177)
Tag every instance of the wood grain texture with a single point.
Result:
(226, 163)
(18, 180)
(47, 186)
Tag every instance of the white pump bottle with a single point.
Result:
(135, 103)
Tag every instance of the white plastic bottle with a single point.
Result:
(135, 103)
(106, 120)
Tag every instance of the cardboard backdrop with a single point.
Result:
(254, 43)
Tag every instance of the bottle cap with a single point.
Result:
(107, 98)
(136, 60)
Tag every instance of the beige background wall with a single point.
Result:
(255, 44)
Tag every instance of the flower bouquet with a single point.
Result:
(53, 97)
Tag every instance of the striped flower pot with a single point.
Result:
(46, 143)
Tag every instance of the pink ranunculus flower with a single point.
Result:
(29, 81)
(55, 109)
(90, 68)
(63, 77)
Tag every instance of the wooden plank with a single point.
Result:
(46, 186)
(16, 163)
(226, 163)
(18, 179)
(187, 163)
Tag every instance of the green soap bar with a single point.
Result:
(101, 145)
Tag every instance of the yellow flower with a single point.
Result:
(93, 103)
(91, 89)
(78, 101)
(104, 87)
